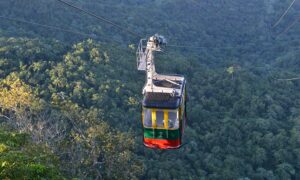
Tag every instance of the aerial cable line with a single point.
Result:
(282, 16)
(290, 26)
(88, 35)
(45, 26)
(100, 18)
(291, 79)
(211, 47)
(183, 46)
(199, 47)
(57, 29)
(93, 36)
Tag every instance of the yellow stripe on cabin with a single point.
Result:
(179, 113)
(154, 118)
(143, 116)
(166, 119)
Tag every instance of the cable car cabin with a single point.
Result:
(164, 103)
(164, 116)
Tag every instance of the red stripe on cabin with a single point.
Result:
(162, 143)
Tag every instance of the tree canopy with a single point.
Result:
(70, 104)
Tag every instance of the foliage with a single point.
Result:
(86, 146)
(20, 159)
(80, 97)
(14, 94)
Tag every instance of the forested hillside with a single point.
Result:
(70, 102)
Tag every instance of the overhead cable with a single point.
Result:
(59, 29)
(199, 47)
(291, 79)
(45, 26)
(285, 12)
(92, 36)
(290, 26)
(110, 39)
(100, 18)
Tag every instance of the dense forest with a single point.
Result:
(70, 101)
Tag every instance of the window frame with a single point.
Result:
(166, 115)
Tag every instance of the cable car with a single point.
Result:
(164, 102)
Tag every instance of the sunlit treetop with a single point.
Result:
(15, 94)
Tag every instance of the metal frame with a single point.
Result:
(145, 62)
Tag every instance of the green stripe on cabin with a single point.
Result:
(161, 134)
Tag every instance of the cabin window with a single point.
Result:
(147, 118)
(154, 118)
(173, 119)
(160, 119)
